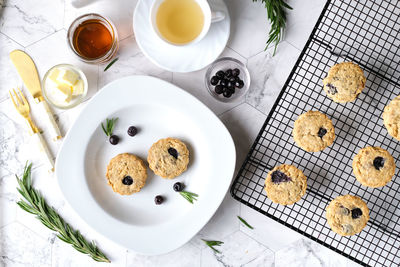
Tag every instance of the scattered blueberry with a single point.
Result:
(127, 180)
(235, 72)
(227, 93)
(214, 80)
(178, 186)
(379, 163)
(239, 84)
(356, 213)
(331, 89)
(278, 177)
(132, 131)
(322, 132)
(219, 89)
(228, 73)
(114, 139)
(220, 74)
(158, 200)
(172, 151)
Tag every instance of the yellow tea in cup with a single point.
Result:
(180, 21)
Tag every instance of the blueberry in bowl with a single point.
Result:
(227, 79)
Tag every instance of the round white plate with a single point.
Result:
(185, 58)
(159, 109)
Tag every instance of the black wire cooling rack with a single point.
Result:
(367, 33)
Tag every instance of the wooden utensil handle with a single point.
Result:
(48, 158)
(54, 131)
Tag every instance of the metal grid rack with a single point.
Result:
(367, 33)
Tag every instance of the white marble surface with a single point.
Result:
(39, 27)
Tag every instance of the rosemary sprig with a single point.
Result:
(33, 202)
(244, 222)
(111, 63)
(276, 12)
(212, 243)
(110, 123)
(189, 196)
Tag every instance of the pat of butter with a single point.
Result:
(62, 92)
(77, 89)
(69, 77)
(54, 75)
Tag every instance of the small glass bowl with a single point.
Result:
(225, 63)
(76, 100)
(107, 23)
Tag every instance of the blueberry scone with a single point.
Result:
(168, 157)
(347, 215)
(345, 81)
(126, 174)
(391, 118)
(373, 166)
(285, 184)
(313, 131)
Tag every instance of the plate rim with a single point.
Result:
(78, 211)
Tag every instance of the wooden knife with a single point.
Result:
(29, 74)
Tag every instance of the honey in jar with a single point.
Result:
(92, 39)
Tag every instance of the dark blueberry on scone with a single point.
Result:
(279, 177)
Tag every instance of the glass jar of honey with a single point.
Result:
(93, 38)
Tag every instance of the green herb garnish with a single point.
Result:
(34, 203)
(110, 123)
(189, 196)
(212, 243)
(244, 222)
(277, 16)
(110, 64)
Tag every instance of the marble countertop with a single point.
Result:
(39, 27)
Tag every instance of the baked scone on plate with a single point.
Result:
(168, 157)
(126, 174)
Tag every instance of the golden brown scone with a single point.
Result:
(347, 215)
(168, 157)
(345, 81)
(391, 118)
(313, 131)
(126, 174)
(285, 184)
(373, 166)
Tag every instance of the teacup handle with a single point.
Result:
(217, 16)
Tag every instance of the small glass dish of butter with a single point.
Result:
(64, 86)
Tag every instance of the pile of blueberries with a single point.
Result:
(226, 82)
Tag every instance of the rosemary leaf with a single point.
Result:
(244, 222)
(33, 202)
(110, 64)
(276, 13)
(189, 196)
(212, 243)
(109, 128)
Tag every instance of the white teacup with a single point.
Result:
(209, 17)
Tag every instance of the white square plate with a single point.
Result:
(159, 110)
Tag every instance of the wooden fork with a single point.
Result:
(22, 106)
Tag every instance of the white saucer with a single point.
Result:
(181, 59)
